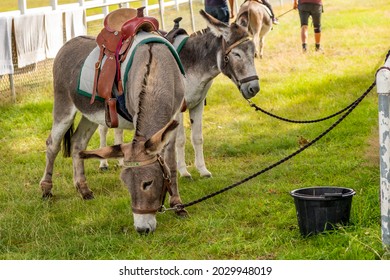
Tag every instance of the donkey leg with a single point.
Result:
(103, 130)
(261, 46)
(170, 159)
(118, 139)
(80, 140)
(61, 124)
(256, 41)
(180, 149)
(197, 139)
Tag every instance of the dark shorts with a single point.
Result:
(314, 10)
(219, 12)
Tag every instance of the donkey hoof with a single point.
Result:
(88, 196)
(181, 213)
(187, 177)
(47, 195)
(205, 174)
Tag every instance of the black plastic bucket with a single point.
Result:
(321, 208)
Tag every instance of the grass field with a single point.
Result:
(255, 220)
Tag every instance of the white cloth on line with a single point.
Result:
(54, 33)
(6, 65)
(30, 38)
(75, 23)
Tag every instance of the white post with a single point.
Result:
(383, 89)
(145, 4)
(105, 9)
(192, 15)
(54, 4)
(22, 4)
(161, 8)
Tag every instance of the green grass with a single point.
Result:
(255, 220)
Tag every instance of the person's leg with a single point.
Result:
(219, 12)
(316, 15)
(304, 35)
(304, 18)
(223, 13)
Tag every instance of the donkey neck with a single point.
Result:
(200, 55)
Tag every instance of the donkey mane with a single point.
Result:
(142, 94)
(200, 32)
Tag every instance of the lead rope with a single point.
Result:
(349, 110)
(257, 108)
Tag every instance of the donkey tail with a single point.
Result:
(66, 144)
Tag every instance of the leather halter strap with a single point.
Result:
(227, 50)
(235, 44)
(166, 187)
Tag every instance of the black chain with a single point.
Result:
(349, 110)
(257, 108)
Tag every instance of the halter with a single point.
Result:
(227, 50)
(166, 187)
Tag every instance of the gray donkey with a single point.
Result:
(220, 49)
(155, 93)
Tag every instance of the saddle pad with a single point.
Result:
(180, 41)
(87, 74)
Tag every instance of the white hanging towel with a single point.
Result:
(75, 23)
(6, 65)
(54, 33)
(30, 38)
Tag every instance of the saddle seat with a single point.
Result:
(114, 40)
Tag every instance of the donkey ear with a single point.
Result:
(158, 141)
(218, 28)
(106, 152)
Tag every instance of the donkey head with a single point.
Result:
(236, 59)
(145, 174)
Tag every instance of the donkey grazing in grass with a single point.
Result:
(207, 53)
(257, 19)
(154, 97)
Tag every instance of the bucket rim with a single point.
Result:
(331, 196)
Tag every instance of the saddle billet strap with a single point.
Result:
(111, 113)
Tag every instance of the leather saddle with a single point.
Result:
(114, 40)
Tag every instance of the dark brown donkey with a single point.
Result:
(155, 92)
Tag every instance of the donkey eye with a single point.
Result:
(146, 185)
(236, 55)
